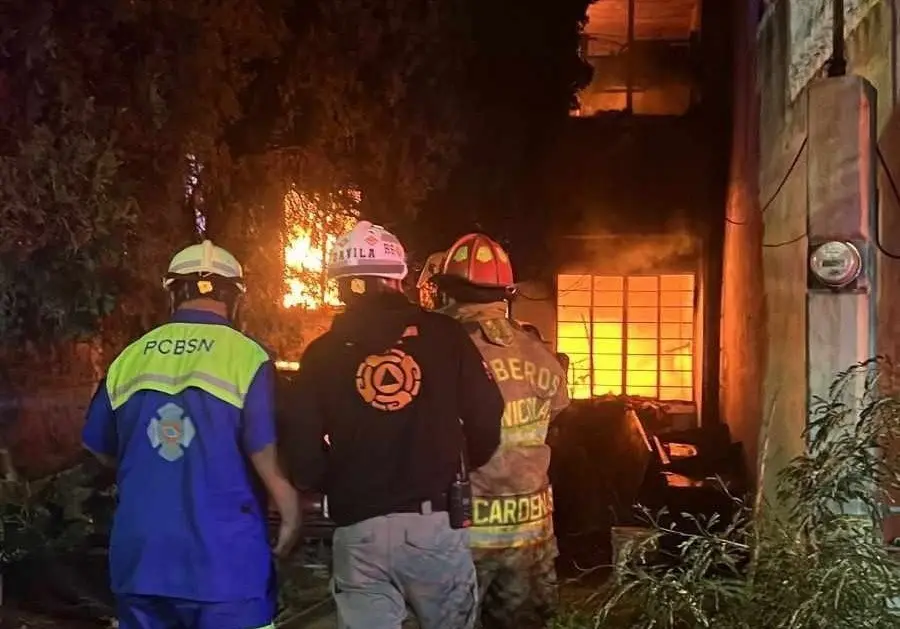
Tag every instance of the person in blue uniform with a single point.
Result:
(186, 416)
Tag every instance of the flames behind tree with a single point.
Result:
(313, 223)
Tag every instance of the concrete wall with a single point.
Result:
(888, 307)
(810, 35)
(742, 286)
(888, 325)
(793, 44)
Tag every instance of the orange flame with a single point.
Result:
(313, 226)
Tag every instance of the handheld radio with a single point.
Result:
(459, 504)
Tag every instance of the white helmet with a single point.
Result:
(367, 250)
(203, 260)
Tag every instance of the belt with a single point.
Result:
(423, 507)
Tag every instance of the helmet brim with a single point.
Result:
(461, 289)
(171, 279)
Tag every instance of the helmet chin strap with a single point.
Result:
(181, 293)
(234, 311)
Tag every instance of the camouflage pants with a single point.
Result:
(383, 563)
(517, 586)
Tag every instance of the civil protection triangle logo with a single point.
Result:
(170, 432)
(389, 381)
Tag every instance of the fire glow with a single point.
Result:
(313, 225)
(629, 335)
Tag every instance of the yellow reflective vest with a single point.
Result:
(512, 498)
(225, 373)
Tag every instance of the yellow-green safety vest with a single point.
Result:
(512, 521)
(215, 358)
(512, 498)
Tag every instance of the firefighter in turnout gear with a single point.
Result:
(401, 393)
(186, 415)
(512, 534)
(430, 297)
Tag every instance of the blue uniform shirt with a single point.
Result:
(193, 528)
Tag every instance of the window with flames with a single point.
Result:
(313, 225)
(627, 335)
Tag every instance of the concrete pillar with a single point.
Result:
(889, 272)
(841, 183)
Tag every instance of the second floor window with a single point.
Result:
(642, 55)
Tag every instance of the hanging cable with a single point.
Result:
(780, 186)
(784, 243)
(876, 236)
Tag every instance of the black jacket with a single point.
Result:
(399, 391)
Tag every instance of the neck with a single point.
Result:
(386, 298)
(206, 305)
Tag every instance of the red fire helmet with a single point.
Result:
(479, 260)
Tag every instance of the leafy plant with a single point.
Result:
(51, 515)
(814, 559)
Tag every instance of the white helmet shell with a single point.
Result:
(205, 259)
(367, 250)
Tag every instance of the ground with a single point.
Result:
(11, 618)
(313, 610)
(324, 618)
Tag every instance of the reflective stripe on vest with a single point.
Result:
(215, 358)
(512, 521)
(525, 423)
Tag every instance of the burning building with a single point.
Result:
(313, 223)
(637, 185)
(628, 312)
(628, 334)
(631, 288)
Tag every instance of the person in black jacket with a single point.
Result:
(400, 395)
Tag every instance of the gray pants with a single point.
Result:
(383, 563)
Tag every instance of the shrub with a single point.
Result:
(53, 515)
(814, 558)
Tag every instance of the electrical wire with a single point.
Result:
(876, 236)
(778, 189)
(784, 243)
(780, 186)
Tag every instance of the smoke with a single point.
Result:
(675, 248)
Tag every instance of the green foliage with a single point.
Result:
(51, 515)
(815, 560)
(388, 113)
(59, 207)
(110, 103)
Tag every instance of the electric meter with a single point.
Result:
(836, 263)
